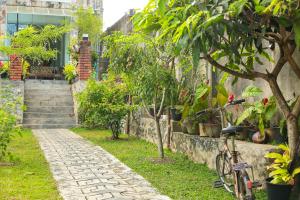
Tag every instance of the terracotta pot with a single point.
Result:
(258, 138)
(209, 130)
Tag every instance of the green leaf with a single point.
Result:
(297, 32)
(252, 91)
(246, 114)
(273, 155)
(162, 5)
(278, 171)
(295, 172)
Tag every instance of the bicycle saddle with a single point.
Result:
(232, 130)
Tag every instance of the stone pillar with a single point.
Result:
(15, 69)
(84, 67)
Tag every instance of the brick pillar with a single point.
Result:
(15, 69)
(84, 67)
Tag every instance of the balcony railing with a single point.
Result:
(58, 4)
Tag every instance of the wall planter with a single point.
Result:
(278, 191)
(191, 126)
(176, 115)
(209, 130)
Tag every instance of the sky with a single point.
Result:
(115, 9)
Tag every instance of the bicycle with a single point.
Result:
(233, 175)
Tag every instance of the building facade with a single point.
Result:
(17, 14)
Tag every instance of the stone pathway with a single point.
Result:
(84, 171)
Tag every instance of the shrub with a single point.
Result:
(70, 72)
(103, 105)
(8, 122)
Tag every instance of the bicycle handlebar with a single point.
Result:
(236, 102)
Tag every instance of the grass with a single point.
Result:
(29, 178)
(180, 179)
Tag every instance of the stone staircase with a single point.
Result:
(49, 105)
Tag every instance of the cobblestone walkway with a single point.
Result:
(84, 171)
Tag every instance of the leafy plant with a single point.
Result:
(70, 72)
(279, 169)
(4, 67)
(262, 111)
(8, 122)
(103, 104)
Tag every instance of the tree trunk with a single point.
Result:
(293, 134)
(128, 117)
(291, 120)
(169, 129)
(159, 139)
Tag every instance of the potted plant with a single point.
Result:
(4, 66)
(261, 112)
(281, 178)
(70, 73)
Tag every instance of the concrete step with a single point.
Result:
(67, 97)
(69, 120)
(48, 126)
(46, 82)
(47, 115)
(56, 102)
(51, 109)
(51, 92)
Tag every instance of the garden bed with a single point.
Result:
(179, 178)
(29, 177)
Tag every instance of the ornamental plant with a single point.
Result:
(103, 105)
(262, 110)
(70, 72)
(8, 122)
(280, 168)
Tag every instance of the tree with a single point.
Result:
(144, 64)
(34, 44)
(233, 36)
(86, 22)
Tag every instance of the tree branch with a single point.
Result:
(280, 63)
(146, 108)
(249, 76)
(296, 109)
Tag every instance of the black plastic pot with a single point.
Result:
(278, 191)
(175, 115)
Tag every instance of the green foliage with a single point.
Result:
(4, 68)
(262, 111)
(8, 122)
(86, 22)
(70, 72)
(33, 44)
(103, 104)
(279, 169)
(252, 91)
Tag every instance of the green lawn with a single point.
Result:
(30, 178)
(181, 179)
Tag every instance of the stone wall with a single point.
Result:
(17, 95)
(201, 149)
(77, 87)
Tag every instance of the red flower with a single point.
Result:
(230, 98)
(265, 101)
(1, 64)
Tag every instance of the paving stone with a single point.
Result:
(84, 171)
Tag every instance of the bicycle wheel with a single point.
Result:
(224, 171)
(245, 191)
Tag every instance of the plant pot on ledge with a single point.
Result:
(190, 126)
(278, 191)
(209, 130)
(176, 115)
